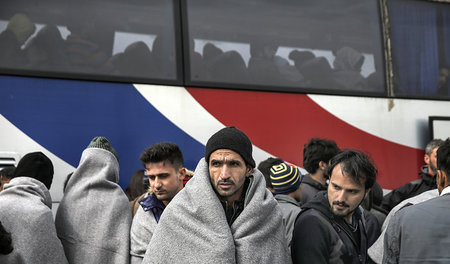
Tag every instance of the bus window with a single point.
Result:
(130, 39)
(287, 45)
(420, 38)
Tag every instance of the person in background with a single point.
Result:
(426, 182)
(286, 181)
(93, 219)
(25, 213)
(137, 185)
(418, 233)
(18, 31)
(316, 155)
(6, 174)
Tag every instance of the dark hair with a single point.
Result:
(136, 186)
(264, 167)
(356, 165)
(443, 157)
(317, 150)
(5, 241)
(7, 172)
(161, 152)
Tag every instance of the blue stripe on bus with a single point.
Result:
(63, 116)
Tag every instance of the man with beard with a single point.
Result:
(426, 182)
(224, 214)
(333, 219)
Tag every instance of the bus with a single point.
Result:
(367, 74)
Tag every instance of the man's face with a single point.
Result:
(165, 180)
(227, 172)
(431, 161)
(344, 194)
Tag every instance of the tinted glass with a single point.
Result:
(420, 39)
(289, 45)
(105, 37)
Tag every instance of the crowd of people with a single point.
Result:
(228, 210)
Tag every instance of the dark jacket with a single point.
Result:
(426, 183)
(310, 188)
(321, 237)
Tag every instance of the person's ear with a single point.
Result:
(426, 159)
(249, 171)
(323, 165)
(181, 173)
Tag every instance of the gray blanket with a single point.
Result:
(194, 229)
(94, 219)
(25, 212)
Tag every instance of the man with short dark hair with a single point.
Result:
(224, 214)
(316, 155)
(164, 166)
(334, 220)
(426, 182)
(410, 236)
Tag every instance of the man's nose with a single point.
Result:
(158, 183)
(341, 196)
(224, 172)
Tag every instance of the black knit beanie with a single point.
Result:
(37, 166)
(103, 143)
(231, 138)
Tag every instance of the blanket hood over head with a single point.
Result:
(94, 218)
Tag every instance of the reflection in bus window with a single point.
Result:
(292, 44)
(71, 37)
(420, 37)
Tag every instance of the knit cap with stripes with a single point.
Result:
(285, 178)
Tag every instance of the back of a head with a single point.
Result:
(163, 151)
(317, 150)
(136, 186)
(37, 166)
(443, 157)
(356, 165)
(265, 166)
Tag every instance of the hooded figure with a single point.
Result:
(25, 213)
(19, 29)
(94, 219)
(347, 69)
